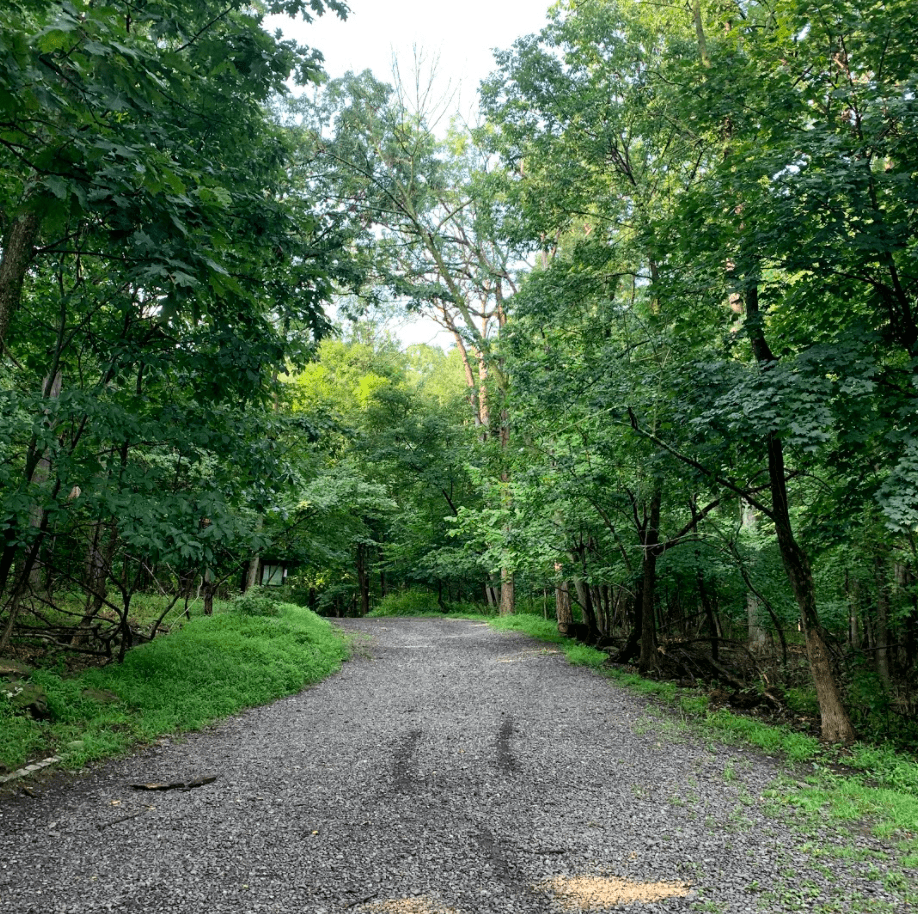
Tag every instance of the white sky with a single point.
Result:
(460, 33)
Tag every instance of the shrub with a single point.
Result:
(406, 603)
(256, 601)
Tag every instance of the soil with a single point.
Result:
(448, 769)
(593, 893)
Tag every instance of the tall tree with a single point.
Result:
(146, 195)
(434, 205)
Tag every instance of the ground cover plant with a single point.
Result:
(213, 667)
(876, 783)
(868, 781)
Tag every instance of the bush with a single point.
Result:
(256, 601)
(406, 603)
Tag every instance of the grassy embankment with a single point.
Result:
(212, 667)
(826, 785)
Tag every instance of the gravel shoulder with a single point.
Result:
(447, 768)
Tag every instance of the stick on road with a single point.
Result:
(448, 767)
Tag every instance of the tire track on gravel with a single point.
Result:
(429, 775)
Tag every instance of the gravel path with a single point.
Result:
(447, 768)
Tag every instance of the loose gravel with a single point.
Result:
(448, 768)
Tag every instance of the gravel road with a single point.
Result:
(447, 768)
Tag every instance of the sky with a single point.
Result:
(460, 33)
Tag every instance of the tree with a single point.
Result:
(146, 195)
(434, 204)
(389, 468)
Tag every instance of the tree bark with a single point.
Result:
(563, 605)
(882, 639)
(757, 639)
(650, 547)
(507, 593)
(836, 725)
(251, 575)
(363, 579)
(585, 599)
(52, 387)
(208, 592)
(18, 247)
(708, 614)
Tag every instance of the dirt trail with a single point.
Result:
(448, 769)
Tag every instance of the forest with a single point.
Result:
(677, 256)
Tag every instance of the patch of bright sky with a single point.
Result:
(461, 35)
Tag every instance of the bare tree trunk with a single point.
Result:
(650, 548)
(18, 246)
(882, 650)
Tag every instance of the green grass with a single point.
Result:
(212, 667)
(406, 603)
(547, 630)
(882, 785)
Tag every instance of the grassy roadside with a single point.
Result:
(212, 667)
(829, 786)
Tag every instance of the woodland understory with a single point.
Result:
(677, 256)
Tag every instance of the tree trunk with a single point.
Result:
(99, 560)
(22, 580)
(208, 592)
(650, 547)
(757, 640)
(836, 725)
(363, 579)
(251, 575)
(708, 614)
(854, 623)
(882, 630)
(632, 645)
(18, 246)
(52, 388)
(507, 593)
(563, 603)
(585, 599)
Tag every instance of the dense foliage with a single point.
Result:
(677, 257)
(162, 262)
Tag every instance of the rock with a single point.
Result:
(28, 698)
(13, 669)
